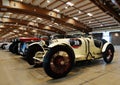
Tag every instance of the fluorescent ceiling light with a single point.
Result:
(39, 18)
(70, 4)
(50, 25)
(76, 18)
(20, 34)
(11, 33)
(116, 34)
(26, 16)
(56, 24)
(1, 26)
(66, 7)
(16, 31)
(48, 1)
(10, 13)
(34, 21)
(6, 16)
(56, 10)
(21, 28)
(34, 30)
(89, 14)
(25, 32)
(79, 12)
(90, 22)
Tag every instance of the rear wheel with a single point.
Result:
(108, 54)
(58, 61)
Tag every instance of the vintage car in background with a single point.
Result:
(5, 45)
(35, 47)
(63, 53)
(14, 46)
(28, 46)
(19, 44)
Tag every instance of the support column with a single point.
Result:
(0, 2)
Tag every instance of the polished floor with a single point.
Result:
(14, 70)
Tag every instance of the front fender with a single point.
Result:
(105, 46)
(55, 44)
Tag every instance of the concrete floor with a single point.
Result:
(14, 70)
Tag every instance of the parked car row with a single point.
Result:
(59, 53)
(5, 45)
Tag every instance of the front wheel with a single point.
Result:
(58, 61)
(30, 53)
(108, 54)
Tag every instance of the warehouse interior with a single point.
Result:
(37, 18)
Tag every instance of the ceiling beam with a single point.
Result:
(26, 23)
(22, 8)
(107, 9)
(9, 28)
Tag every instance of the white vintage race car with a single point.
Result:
(62, 54)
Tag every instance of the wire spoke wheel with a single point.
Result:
(108, 54)
(60, 63)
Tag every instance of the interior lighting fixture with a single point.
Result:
(101, 25)
(26, 16)
(56, 24)
(20, 34)
(16, 31)
(6, 16)
(89, 22)
(76, 18)
(70, 4)
(26, 33)
(79, 12)
(39, 18)
(50, 25)
(66, 7)
(48, 1)
(116, 34)
(34, 30)
(89, 14)
(1, 26)
(34, 21)
(10, 13)
(56, 10)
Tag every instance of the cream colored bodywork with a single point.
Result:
(81, 53)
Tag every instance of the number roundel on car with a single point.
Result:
(75, 43)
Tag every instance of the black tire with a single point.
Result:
(56, 65)
(31, 51)
(11, 47)
(15, 49)
(108, 54)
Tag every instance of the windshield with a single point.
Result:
(65, 36)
